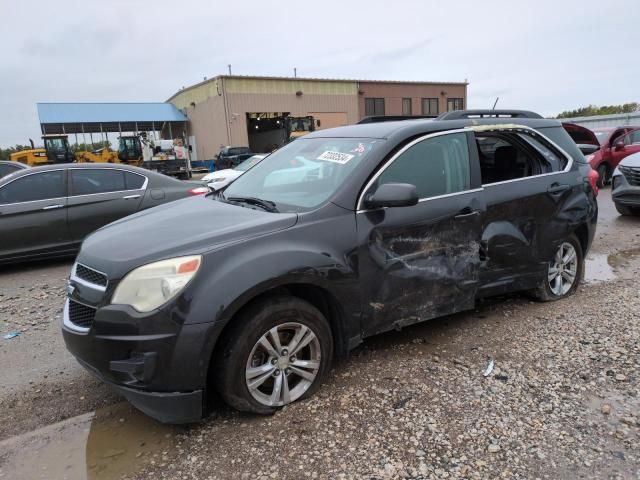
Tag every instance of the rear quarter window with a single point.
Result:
(560, 137)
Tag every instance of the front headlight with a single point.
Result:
(150, 286)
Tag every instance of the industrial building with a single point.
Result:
(265, 112)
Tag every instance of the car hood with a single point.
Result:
(632, 160)
(188, 226)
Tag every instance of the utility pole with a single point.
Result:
(295, 72)
(229, 67)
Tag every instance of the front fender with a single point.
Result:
(320, 254)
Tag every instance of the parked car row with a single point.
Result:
(47, 211)
(337, 236)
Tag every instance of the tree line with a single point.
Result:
(592, 110)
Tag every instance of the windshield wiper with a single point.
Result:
(267, 205)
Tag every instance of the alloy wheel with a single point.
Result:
(563, 269)
(283, 364)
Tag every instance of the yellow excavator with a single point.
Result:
(57, 150)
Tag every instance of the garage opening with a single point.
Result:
(268, 131)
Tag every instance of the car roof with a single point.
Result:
(73, 166)
(11, 162)
(385, 130)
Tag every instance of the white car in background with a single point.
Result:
(221, 178)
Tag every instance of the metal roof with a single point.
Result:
(106, 117)
(312, 79)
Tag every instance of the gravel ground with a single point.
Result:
(563, 400)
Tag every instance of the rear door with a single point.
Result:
(100, 196)
(33, 214)
(527, 183)
(420, 262)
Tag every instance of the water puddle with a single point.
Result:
(602, 268)
(112, 442)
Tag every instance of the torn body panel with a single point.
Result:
(421, 262)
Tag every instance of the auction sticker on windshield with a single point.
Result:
(335, 157)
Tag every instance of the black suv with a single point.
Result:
(340, 235)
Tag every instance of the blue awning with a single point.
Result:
(107, 117)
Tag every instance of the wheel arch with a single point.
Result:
(312, 292)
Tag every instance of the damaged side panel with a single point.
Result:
(419, 262)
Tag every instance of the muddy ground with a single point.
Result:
(562, 402)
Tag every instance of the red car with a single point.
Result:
(616, 144)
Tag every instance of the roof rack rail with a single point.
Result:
(393, 118)
(469, 114)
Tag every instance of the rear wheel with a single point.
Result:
(603, 175)
(564, 272)
(625, 210)
(279, 351)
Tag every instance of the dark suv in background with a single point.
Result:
(253, 291)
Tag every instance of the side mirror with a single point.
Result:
(588, 149)
(619, 145)
(392, 195)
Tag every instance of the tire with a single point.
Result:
(244, 360)
(548, 289)
(624, 209)
(603, 175)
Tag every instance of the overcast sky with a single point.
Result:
(542, 55)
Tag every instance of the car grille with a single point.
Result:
(81, 315)
(90, 275)
(632, 174)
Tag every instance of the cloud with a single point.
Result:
(546, 56)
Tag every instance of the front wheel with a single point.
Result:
(278, 351)
(564, 272)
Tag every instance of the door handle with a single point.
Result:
(466, 213)
(129, 197)
(52, 207)
(557, 189)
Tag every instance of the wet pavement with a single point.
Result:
(107, 444)
(57, 422)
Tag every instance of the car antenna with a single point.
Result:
(495, 103)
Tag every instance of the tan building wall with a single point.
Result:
(393, 93)
(217, 108)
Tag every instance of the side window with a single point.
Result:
(511, 155)
(436, 166)
(133, 181)
(632, 138)
(7, 169)
(91, 181)
(39, 186)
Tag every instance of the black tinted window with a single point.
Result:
(39, 186)
(7, 169)
(436, 166)
(86, 182)
(133, 180)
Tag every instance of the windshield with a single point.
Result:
(55, 144)
(248, 163)
(303, 174)
(238, 150)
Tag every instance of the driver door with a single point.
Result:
(421, 261)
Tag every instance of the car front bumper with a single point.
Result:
(623, 192)
(158, 364)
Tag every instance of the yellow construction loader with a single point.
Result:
(56, 150)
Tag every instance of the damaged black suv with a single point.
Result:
(340, 235)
